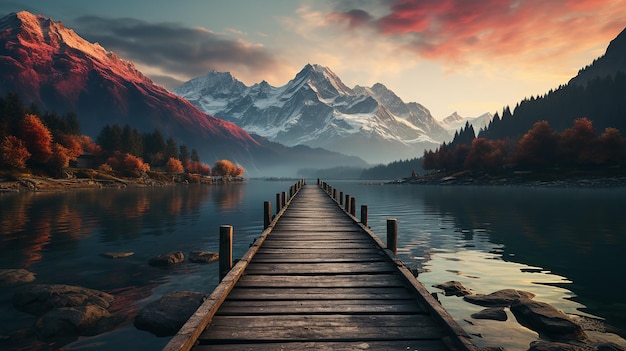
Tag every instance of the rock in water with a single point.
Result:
(117, 254)
(500, 298)
(40, 298)
(10, 277)
(491, 313)
(546, 320)
(165, 316)
(453, 288)
(69, 321)
(203, 256)
(167, 259)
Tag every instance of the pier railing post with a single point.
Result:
(364, 215)
(335, 194)
(279, 206)
(341, 198)
(347, 205)
(392, 235)
(283, 199)
(226, 250)
(267, 214)
(353, 206)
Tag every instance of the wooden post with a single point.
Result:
(335, 194)
(290, 192)
(347, 204)
(341, 198)
(392, 235)
(267, 214)
(226, 250)
(353, 206)
(364, 215)
(279, 206)
(283, 200)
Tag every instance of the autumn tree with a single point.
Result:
(578, 143)
(37, 138)
(174, 166)
(227, 168)
(537, 148)
(611, 148)
(127, 164)
(485, 154)
(13, 152)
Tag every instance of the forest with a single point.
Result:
(48, 143)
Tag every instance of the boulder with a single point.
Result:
(542, 345)
(500, 298)
(203, 256)
(10, 277)
(72, 321)
(38, 299)
(453, 288)
(546, 320)
(167, 259)
(492, 313)
(164, 317)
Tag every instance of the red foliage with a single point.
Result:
(60, 157)
(537, 148)
(37, 138)
(73, 144)
(13, 152)
(197, 167)
(485, 154)
(611, 147)
(577, 144)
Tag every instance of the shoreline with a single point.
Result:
(520, 179)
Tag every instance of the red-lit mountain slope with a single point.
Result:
(50, 65)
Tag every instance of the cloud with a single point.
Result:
(182, 52)
(461, 32)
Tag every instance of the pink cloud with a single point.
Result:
(458, 31)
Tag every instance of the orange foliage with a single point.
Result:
(174, 166)
(37, 138)
(73, 144)
(227, 168)
(60, 157)
(128, 164)
(197, 167)
(13, 152)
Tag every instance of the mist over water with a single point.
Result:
(562, 244)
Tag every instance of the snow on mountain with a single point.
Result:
(454, 122)
(317, 109)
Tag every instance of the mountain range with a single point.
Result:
(51, 66)
(455, 122)
(317, 109)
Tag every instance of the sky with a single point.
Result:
(465, 56)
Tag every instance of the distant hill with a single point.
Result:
(49, 65)
(598, 92)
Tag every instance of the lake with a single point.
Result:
(561, 244)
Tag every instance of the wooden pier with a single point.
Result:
(317, 278)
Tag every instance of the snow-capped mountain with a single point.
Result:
(455, 122)
(317, 109)
(47, 64)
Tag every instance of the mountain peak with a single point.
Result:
(322, 80)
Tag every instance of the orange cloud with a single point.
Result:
(462, 32)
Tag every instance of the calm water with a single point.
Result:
(563, 245)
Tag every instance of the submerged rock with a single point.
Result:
(203, 256)
(500, 298)
(542, 345)
(492, 313)
(40, 298)
(165, 316)
(10, 277)
(117, 254)
(546, 320)
(453, 288)
(167, 259)
(71, 321)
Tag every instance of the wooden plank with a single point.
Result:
(291, 307)
(320, 294)
(323, 327)
(421, 345)
(323, 281)
(302, 250)
(319, 268)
